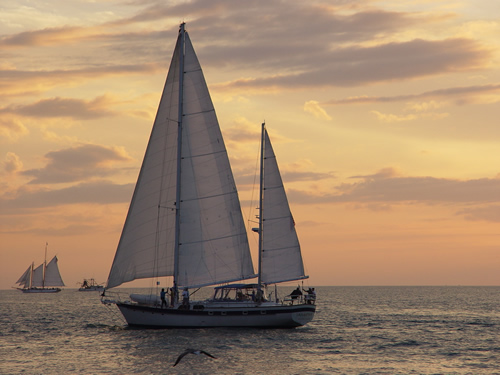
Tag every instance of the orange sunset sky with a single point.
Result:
(384, 117)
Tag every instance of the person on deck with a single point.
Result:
(162, 297)
(185, 297)
(296, 293)
(311, 296)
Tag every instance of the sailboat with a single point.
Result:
(43, 279)
(185, 221)
(90, 285)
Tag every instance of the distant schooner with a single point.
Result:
(41, 279)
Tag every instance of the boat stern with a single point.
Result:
(303, 317)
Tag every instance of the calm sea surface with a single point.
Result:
(357, 330)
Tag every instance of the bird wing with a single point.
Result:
(204, 352)
(180, 357)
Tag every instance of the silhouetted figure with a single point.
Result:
(296, 293)
(162, 297)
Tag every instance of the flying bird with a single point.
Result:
(192, 351)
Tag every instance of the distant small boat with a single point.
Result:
(41, 279)
(90, 285)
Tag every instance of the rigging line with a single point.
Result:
(156, 265)
(115, 315)
(252, 197)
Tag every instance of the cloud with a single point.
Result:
(12, 129)
(300, 171)
(324, 48)
(453, 93)
(355, 66)
(12, 163)
(393, 118)
(23, 82)
(96, 192)
(63, 107)
(243, 131)
(314, 108)
(80, 163)
(388, 186)
(482, 213)
(222, 18)
(44, 37)
(50, 230)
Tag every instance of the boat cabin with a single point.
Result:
(236, 292)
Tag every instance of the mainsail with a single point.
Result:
(281, 258)
(212, 241)
(52, 274)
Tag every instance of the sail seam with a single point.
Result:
(273, 187)
(281, 248)
(214, 239)
(277, 218)
(208, 196)
(197, 113)
(201, 155)
(192, 71)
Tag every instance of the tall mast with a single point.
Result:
(179, 154)
(261, 196)
(44, 265)
(31, 274)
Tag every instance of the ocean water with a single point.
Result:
(357, 330)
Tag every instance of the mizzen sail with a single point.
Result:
(281, 258)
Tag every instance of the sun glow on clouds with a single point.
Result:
(79, 88)
(315, 109)
(12, 163)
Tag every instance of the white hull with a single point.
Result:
(40, 290)
(249, 315)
